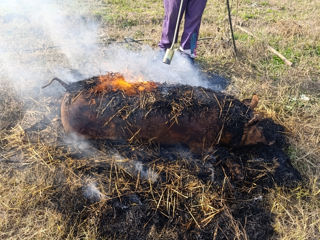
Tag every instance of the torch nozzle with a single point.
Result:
(168, 56)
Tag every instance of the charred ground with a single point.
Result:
(194, 197)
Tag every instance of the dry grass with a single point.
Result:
(36, 176)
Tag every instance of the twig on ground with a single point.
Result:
(271, 49)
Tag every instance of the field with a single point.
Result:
(57, 188)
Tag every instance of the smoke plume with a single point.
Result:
(42, 39)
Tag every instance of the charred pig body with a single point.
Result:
(108, 107)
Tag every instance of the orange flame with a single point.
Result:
(116, 81)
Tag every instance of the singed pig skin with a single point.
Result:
(169, 114)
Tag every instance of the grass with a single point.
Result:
(291, 27)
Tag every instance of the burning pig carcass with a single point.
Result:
(109, 107)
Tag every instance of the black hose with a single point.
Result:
(65, 85)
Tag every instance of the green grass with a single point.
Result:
(126, 14)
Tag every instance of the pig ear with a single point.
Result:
(252, 103)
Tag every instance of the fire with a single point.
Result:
(116, 81)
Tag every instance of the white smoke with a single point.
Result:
(41, 39)
(148, 63)
(78, 142)
(145, 172)
(91, 192)
(136, 168)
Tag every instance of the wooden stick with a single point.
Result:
(271, 49)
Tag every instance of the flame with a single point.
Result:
(116, 81)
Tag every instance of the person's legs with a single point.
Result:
(171, 9)
(194, 11)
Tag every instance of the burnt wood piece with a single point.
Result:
(166, 114)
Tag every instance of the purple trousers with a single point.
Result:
(193, 10)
